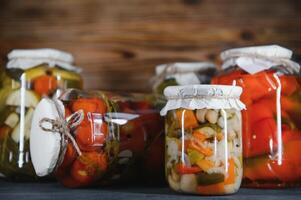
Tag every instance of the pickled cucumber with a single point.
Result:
(208, 179)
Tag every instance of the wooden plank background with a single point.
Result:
(119, 42)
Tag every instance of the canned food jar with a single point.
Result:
(29, 75)
(203, 139)
(272, 121)
(182, 73)
(97, 138)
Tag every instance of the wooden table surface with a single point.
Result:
(119, 42)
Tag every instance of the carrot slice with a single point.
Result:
(197, 134)
(190, 120)
(212, 189)
(199, 148)
(230, 178)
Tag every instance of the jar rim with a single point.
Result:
(203, 90)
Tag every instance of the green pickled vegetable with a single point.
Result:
(209, 179)
(194, 156)
(166, 83)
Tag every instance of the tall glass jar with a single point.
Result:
(182, 73)
(271, 123)
(203, 139)
(97, 138)
(29, 75)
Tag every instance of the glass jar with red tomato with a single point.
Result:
(29, 75)
(97, 138)
(271, 123)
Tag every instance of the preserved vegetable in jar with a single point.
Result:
(271, 123)
(182, 73)
(203, 139)
(29, 75)
(97, 138)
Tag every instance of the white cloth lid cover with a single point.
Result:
(266, 51)
(202, 96)
(258, 58)
(185, 66)
(44, 146)
(28, 58)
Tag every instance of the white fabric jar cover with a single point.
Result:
(183, 72)
(29, 58)
(202, 96)
(259, 58)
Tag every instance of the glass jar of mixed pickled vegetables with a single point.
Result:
(203, 152)
(97, 138)
(185, 73)
(271, 123)
(29, 75)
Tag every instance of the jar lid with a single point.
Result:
(45, 146)
(259, 58)
(202, 96)
(29, 58)
(184, 67)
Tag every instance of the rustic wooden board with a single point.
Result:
(119, 42)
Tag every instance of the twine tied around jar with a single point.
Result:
(63, 126)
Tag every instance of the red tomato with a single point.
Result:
(45, 84)
(262, 109)
(154, 158)
(70, 156)
(91, 137)
(133, 136)
(262, 138)
(89, 105)
(89, 167)
(259, 168)
(289, 84)
(259, 85)
(141, 105)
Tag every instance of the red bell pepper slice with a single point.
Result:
(183, 169)
(261, 139)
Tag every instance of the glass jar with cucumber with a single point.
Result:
(28, 76)
(203, 152)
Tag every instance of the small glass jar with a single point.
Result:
(97, 138)
(203, 139)
(271, 123)
(185, 73)
(29, 75)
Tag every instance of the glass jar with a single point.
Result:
(203, 139)
(271, 123)
(185, 73)
(29, 75)
(97, 138)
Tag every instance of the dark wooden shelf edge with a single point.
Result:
(52, 190)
